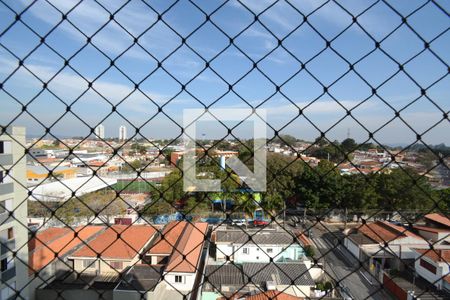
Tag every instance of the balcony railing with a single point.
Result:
(5, 218)
(6, 159)
(6, 188)
(7, 246)
(8, 274)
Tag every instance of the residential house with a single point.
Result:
(436, 229)
(245, 279)
(257, 246)
(433, 266)
(96, 267)
(162, 248)
(48, 250)
(113, 250)
(174, 276)
(383, 245)
(184, 264)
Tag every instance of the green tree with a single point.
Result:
(348, 145)
(282, 172)
(402, 189)
(133, 166)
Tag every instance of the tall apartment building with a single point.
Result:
(100, 131)
(13, 216)
(122, 133)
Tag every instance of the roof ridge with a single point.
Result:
(400, 231)
(47, 243)
(177, 243)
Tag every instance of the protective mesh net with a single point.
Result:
(363, 218)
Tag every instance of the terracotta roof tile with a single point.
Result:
(110, 245)
(46, 236)
(61, 244)
(431, 229)
(267, 295)
(436, 255)
(383, 231)
(171, 233)
(438, 218)
(187, 253)
(275, 295)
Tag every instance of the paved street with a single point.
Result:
(338, 265)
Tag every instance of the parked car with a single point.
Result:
(260, 223)
(239, 222)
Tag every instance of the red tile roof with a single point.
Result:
(110, 245)
(187, 252)
(383, 231)
(438, 218)
(431, 229)
(46, 236)
(168, 238)
(42, 255)
(436, 255)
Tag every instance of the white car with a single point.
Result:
(239, 222)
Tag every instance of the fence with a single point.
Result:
(356, 96)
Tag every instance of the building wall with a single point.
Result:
(186, 285)
(19, 206)
(441, 269)
(428, 235)
(352, 247)
(75, 294)
(258, 253)
(405, 247)
(65, 174)
(443, 236)
(102, 266)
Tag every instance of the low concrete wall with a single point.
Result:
(395, 290)
(76, 294)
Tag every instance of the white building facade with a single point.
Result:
(100, 131)
(123, 133)
(13, 235)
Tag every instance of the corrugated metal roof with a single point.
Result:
(259, 238)
(280, 273)
(228, 274)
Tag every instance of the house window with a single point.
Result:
(10, 233)
(88, 263)
(245, 250)
(1, 177)
(2, 147)
(428, 266)
(269, 250)
(178, 279)
(117, 265)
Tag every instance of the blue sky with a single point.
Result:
(117, 84)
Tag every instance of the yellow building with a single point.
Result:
(36, 174)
